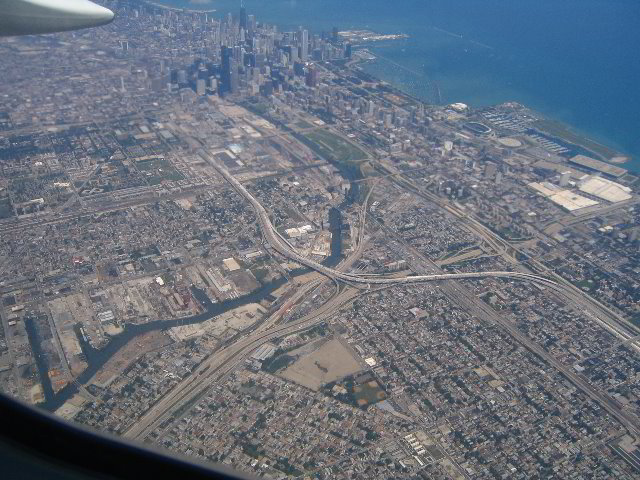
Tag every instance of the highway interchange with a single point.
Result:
(282, 246)
(219, 365)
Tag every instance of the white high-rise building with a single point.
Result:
(201, 86)
(304, 50)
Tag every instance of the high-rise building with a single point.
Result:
(371, 108)
(200, 86)
(182, 77)
(312, 77)
(298, 69)
(227, 57)
(304, 45)
(243, 17)
(388, 120)
(347, 51)
(293, 53)
(213, 84)
(238, 54)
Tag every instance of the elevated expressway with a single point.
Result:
(282, 246)
(601, 314)
(223, 362)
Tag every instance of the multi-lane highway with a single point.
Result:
(282, 246)
(601, 314)
(221, 363)
(461, 295)
(224, 361)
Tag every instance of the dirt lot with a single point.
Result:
(326, 362)
(133, 350)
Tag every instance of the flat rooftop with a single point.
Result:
(606, 189)
(565, 198)
(598, 166)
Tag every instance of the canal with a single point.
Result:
(96, 359)
(335, 227)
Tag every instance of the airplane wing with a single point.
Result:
(26, 17)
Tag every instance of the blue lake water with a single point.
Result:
(577, 61)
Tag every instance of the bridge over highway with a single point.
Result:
(282, 246)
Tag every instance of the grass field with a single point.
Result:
(157, 170)
(368, 393)
(303, 124)
(333, 147)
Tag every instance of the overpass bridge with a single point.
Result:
(282, 246)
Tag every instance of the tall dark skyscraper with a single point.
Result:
(298, 68)
(227, 63)
(243, 16)
(312, 77)
(347, 50)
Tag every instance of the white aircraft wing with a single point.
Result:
(26, 17)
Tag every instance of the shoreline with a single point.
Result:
(580, 139)
(576, 137)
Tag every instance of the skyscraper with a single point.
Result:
(304, 44)
(182, 77)
(243, 16)
(227, 56)
(312, 77)
(200, 86)
(298, 68)
(347, 51)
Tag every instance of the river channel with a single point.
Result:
(96, 359)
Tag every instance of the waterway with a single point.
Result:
(96, 359)
(335, 227)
